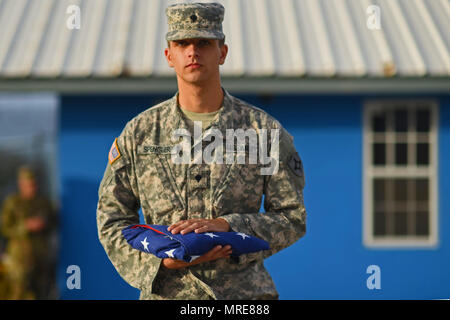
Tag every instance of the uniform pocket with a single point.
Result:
(157, 184)
(241, 189)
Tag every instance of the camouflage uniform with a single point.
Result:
(141, 174)
(28, 266)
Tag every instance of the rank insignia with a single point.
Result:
(295, 163)
(114, 152)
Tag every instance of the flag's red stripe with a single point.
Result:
(148, 227)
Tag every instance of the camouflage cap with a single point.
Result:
(195, 20)
(26, 173)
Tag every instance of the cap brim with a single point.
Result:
(194, 33)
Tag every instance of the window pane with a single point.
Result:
(421, 189)
(423, 120)
(379, 223)
(379, 190)
(379, 153)
(401, 200)
(401, 151)
(401, 120)
(379, 122)
(422, 223)
(400, 223)
(422, 153)
(400, 187)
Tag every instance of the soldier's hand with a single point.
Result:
(35, 224)
(199, 226)
(215, 253)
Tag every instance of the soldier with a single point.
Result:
(27, 220)
(196, 196)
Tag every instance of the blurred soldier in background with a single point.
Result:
(27, 220)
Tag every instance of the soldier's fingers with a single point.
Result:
(226, 250)
(222, 252)
(182, 224)
(191, 227)
(176, 224)
(202, 229)
(180, 227)
(214, 250)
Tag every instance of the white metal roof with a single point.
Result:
(266, 38)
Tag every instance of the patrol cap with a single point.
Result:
(26, 173)
(195, 20)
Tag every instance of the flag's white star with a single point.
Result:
(243, 235)
(145, 243)
(170, 253)
(193, 258)
(212, 235)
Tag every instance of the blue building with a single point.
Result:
(369, 110)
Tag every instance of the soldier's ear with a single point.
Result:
(223, 54)
(168, 57)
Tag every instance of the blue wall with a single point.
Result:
(328, 263)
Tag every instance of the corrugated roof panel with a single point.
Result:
(283, 47)
(265, 34)
(11, 12)
(433, 49)
(376, 53)
(440, 13)
(347, 55)
(312, 38)
(407, 58)
(161, 68)
(144, 34)
(26, 42)
(55, 43)
(84, 43)
(315, 41)
(253, 47)
(113, 42)
(232, 27)
(288, 44)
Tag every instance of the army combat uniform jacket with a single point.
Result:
(140, 174)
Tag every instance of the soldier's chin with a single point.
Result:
(196, 79)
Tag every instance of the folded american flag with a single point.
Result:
(157, 240)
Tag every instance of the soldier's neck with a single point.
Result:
(201, 99)
(27, 196)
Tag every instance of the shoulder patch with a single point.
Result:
(114, 152)
(295, 163)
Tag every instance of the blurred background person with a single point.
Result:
(27, 222)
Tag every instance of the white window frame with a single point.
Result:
(391, 171)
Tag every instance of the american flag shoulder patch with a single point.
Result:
(114, 152)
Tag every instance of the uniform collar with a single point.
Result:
(223, 120)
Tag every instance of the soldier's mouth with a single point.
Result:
(194, 65)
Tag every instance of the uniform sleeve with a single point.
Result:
(284, 221)
(11, 225)
(117, 208)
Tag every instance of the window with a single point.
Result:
(400, 173)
